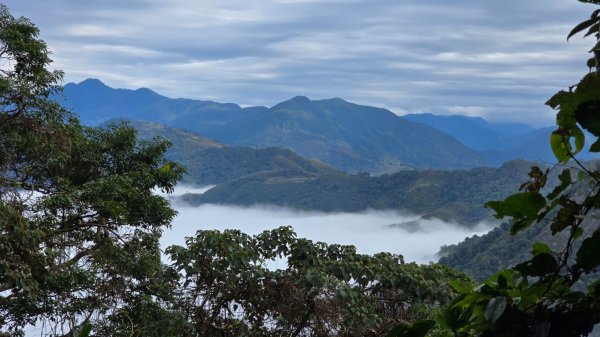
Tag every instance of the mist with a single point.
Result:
(371, 231)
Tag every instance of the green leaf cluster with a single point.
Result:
(315, 288)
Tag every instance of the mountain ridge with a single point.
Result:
(349, 136)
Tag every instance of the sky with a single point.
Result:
(500, 60)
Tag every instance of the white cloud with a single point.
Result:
(369, 231)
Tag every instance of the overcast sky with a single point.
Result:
(497, 59)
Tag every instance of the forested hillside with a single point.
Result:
(276, 176)
(454, 196)
(209, 162)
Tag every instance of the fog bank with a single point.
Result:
(370, 231)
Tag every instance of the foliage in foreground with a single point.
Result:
(544, 296)
(230, 286)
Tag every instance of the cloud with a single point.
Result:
(370, 231)
(508, 56)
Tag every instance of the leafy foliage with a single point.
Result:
(77, 209)
(230, 287)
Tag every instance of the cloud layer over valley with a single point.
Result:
(370, 231)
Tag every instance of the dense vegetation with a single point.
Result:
(80, 224)
(483, 256)
(209, 162)
(454, 196)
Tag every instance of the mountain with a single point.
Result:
(475, 132)
(209, 162)
(497, 142)
(348, 136)
(96, 103)
(456, 196)
(276, 176)
(533, 145)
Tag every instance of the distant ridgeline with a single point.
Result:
(350, 137)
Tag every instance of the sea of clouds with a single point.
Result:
(371, 231)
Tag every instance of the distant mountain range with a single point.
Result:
(350, 137)
(476, 132)
(347, 136)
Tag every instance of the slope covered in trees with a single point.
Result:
(209, 162)
(454, 196)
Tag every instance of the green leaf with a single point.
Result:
(588, 255)
(495, 308)
(582, 26)
(539, 248)
(579, 139)
(417, 329)
(524, 204)
(560, 142)
(560, 147)
(459, 286)
(577, 233)
(540, 265)
(85, 329)
(565, 181)
(502, 281)
(523, 207)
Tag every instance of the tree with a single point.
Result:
(554, 293)
(79, 222)
(229, 286)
